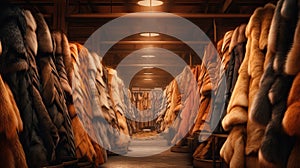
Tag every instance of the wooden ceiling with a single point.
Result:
(81, 18)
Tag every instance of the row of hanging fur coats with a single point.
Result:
(47, 136)
(262, 114)
(230, 52)
(45, 82)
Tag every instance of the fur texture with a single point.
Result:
(11, 153)
(44, 40)
(272, 153)
(248, 81)
(262, 107)
(242, 36)
(234, 148)
(291, 120)
(288, 8)
(259, 37)
(30, 32)
(292, 63)
(53, 95)
(234, 39)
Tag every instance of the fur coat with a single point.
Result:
(228, 76)
(18, 68)
(291, 121)
(11, 153)
(271, 99)
(291, 118)
(85, 136)
(246, 87)
(52, 93)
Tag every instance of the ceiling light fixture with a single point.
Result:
(148, 56)
(150, 3)
(149, 34)
(148, 79)
(148, 67)
(146, 73)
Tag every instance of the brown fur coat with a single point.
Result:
(247, 85)
(11, 151)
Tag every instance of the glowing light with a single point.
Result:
(149, 34)
(150, 3)
(148, 56)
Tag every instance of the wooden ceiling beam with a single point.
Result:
(154, 42)
(147, 15)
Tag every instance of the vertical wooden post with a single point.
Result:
(59, 16)
(215, 31)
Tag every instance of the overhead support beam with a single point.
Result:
(154, 42)
(226, 5)
(155, 15)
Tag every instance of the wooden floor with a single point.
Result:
(164, 158)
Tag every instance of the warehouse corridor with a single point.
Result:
(149, 83)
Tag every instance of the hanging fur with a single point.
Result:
(247, 83)
(53, 95)
(291, 121)
(18, 68)
(292, 63)
(11, 153)
(272, 153)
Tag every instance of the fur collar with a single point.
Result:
(62, 46)
(226, 41)
(44, 36)
(12, 31)
(265, 25)
(234, 39)
(238, 37)
(242, 37)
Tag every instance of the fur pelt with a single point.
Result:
(11, 152)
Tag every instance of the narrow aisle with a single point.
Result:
(164, 160)
(144, 146)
